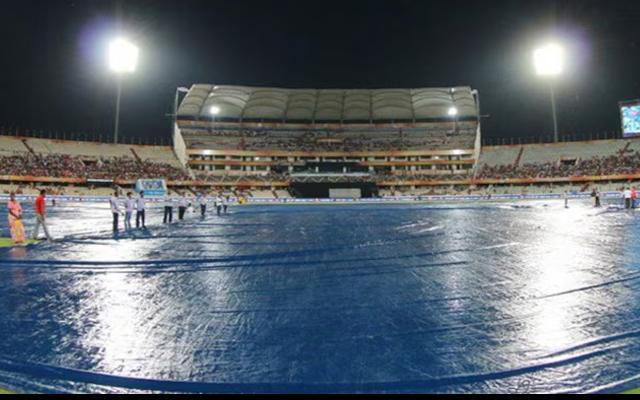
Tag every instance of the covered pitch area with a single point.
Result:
(500, 298)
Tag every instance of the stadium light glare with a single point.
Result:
(452, 112)
(123, 56)
(214, 110)
(549, 60)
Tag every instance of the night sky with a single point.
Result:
(55, 77)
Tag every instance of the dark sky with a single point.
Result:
(54, 75)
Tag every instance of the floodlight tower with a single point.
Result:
(123, 59)
(549, 63)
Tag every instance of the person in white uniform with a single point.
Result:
(225, 204)
(168, 210)
(114, 203)
(202, 200)
(140, 207)
(130, 203)
(627, 198)
(218, 204)
(183, 203)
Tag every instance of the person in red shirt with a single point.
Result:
(41, 215)
(634, 197)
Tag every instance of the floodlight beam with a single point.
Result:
(548, 62)
(123, 56)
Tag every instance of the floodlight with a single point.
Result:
(452, 112)
(123, 56)
(214, 110)
(549, 60)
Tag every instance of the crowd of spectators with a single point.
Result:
(325, 141)
(405, 176)
(128, 168)
(57, 165)
(67, 166)
(621, 163)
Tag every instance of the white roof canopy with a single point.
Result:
(243, 103)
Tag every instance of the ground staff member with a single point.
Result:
(225, 204)
(41, 215)
(218, 204)
(140, 207)
(130, 203)
(626, 194)
(203, 204)
(115, 210)
(168, 210)
(182, 206)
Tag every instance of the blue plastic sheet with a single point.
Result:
(499, 298)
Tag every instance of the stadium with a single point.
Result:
(297, 240)
(273, 144)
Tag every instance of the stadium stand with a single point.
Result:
(499, 155)
(541, 153)
(607, 165)
(260, 136)
(157, 154)
(595, 158)
(65, 159)
(269, 142)
(10, 146)
(162, 154)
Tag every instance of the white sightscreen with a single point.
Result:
(345, 193)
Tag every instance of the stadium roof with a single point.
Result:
(243, 103)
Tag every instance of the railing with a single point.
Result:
(83, 136)
(573, 137)
(284, 182)
(166, 141)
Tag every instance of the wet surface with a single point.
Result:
(397, 298)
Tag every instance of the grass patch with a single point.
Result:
(6, 242)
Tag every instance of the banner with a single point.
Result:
(152, 187)
(387, 199)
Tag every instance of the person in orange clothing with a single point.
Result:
(15, 220)
(41, 215)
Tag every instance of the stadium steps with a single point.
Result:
(29, 148)
(135, 155)
(519, 157)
